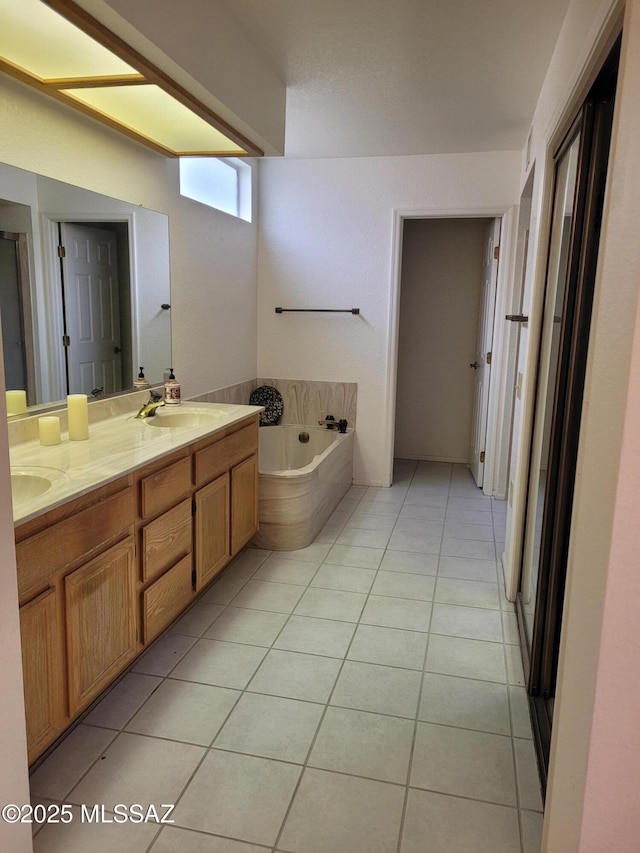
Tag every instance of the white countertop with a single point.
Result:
(115, 447)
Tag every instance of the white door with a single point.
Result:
(92, 309)
(482, 364)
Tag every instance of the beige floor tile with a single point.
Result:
(455, 825)
(241, 625)
(282, 570)
(164, 654)
(172, 839)
(64, 768)
(331, 604)
(316, 636)
(388, 646)
(365, 815)
(241, 796)
(262, 595)
(363, 744)
(138, 769)
(464, 702)
(464, 763)
(388, 612)
(381, 689)
(185, 711)
(123, 700)
(472, 622)
(466, 658)
(467, 593)
(404, 585)
(296, 676)
(219, 663)
(271, 727)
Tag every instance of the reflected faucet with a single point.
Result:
(151, 406)
(331, 423)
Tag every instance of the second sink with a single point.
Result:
(174, 420)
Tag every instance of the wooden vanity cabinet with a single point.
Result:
(100, 577)
(42, 634)
(77, 622)
(100, 621)
(226, 508)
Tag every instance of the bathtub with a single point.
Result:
(301, 483)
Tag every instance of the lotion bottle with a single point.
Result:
(171, 390)
(141, 382)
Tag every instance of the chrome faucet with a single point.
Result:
(331, 423)
(151, 406)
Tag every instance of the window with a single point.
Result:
(222, 183)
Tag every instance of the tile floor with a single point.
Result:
(363, 695)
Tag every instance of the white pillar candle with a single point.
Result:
(49, 430)
(78, 415)
(16, 402)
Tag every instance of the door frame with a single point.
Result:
(498, 415)
(53, 288)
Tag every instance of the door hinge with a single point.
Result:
(66, 341)
(482, 458)
(488, 358)
(496, 253)
(61, 252)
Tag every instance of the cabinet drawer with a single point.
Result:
(72, 539)
(166, 540)
(161, 490)
(224, 454)
(166, 598)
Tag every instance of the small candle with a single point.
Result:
(16, 402)
(78, 415)
(49, 430)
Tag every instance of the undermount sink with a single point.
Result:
(26, 486)
(177, 420)
(31, 481)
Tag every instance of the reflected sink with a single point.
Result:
(25, 487)
(177, 420)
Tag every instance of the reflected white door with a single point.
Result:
(482, 364)
(92, 309)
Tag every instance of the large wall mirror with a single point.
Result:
(84, 289)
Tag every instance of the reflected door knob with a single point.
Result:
(474, 365)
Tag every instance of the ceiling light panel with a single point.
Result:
(69, 55)
(155, 114)
(44, 44)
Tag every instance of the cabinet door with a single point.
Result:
(43, 670)
(212, 530)
(101, 624)
(244, 503)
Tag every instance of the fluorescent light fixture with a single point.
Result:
(61, 50)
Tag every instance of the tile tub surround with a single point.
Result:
(307, 402)
(238, 394)
(325, 707)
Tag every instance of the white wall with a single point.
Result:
(326, 241)
(441, 287)
(213, 255)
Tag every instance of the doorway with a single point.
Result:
(96, 306)
(15, 314)
(579, 186)
(445, 313)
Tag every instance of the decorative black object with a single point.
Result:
(271, 399)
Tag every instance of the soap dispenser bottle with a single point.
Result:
(141, 382)
(172, 390)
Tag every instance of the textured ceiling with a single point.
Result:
(385, 77)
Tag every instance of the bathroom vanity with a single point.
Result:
(124, 544)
